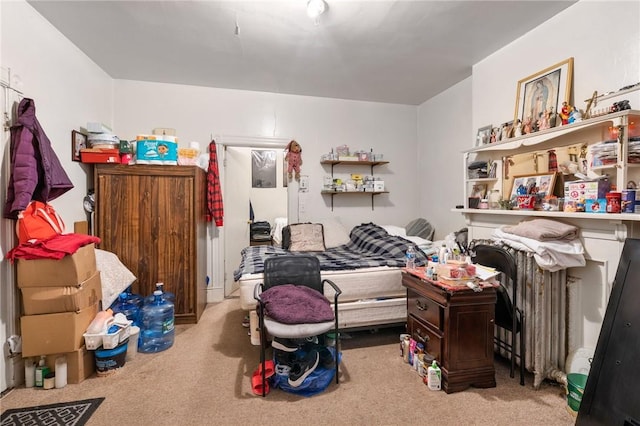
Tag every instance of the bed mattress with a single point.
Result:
(356, 284)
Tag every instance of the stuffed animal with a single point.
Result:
(294, 159)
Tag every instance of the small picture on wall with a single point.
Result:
(484, 135)
(78, 142)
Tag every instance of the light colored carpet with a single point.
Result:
(204, 379)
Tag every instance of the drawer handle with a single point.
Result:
(421, 306)
(423, 339)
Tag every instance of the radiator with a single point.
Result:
(542, 296)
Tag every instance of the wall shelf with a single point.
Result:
(371, 164)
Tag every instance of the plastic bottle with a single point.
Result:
(29, 373)
(99, 323)
(405, 348)
(157, 330)
(125, 306)
(433, 376)
(41, 371)
(165, 295)
(410, 258)
(442, 254)
(61, 372)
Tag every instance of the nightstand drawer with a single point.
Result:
(424, 309)
(422, 334)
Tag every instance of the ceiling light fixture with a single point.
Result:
(315, 8)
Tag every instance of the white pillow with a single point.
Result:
(306, 237)
(335, 234)
(398, 231)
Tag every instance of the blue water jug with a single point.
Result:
(134, 298)
(125, 306)
(168, 296)
(157, 331)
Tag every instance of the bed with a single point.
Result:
(367, 268)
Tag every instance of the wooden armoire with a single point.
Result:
(153, 218)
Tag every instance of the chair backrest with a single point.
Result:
(298, 269)
(500, 259)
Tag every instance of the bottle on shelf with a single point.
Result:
(157, 330)
(126, 306)
(410, 258)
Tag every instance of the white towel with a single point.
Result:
(549, 255)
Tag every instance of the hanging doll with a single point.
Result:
(294, 159)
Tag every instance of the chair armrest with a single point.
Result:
(336, 289)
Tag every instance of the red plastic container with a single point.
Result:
(613, 202)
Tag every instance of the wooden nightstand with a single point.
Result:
(457, 328)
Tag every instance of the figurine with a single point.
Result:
(564, 113)
(527, 126)
(294, 159)
(517, 128)
(575, 116)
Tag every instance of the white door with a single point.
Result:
(236, 211)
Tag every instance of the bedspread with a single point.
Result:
(369, 246)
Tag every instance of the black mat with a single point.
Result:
(74, 413)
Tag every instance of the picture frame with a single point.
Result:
(78, 142)
(543, 182)
(543, 91)
(484, 135)
(479, 190)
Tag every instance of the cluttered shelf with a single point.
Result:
(613, 217)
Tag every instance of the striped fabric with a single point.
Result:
(369, 246)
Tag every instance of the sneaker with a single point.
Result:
(246, 322)
(284, 358)
(301, 370)
(326, 356)
(287, 345)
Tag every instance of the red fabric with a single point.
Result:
(54, 248)
(215, 209)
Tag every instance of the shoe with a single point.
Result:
(246, 322)
(257, 386)
(301, 370)
(284, 358)
(269, 369)
(326, 356)
(287, 345)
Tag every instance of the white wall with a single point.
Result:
(68, 90)
(443, 128)
(318, 124)
(603, 38)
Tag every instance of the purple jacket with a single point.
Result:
(36, 172)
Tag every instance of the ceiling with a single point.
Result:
(390, 51)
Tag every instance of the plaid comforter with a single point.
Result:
(369, 246)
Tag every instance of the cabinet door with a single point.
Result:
(470, 332)
(151, 229)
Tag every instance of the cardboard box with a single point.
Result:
(50, 300)
(585, 190)
(80, 364)
(55, 333)
(156, 150)
(68, 271)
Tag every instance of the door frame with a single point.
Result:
(217, 242)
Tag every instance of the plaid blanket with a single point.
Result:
(369, 246)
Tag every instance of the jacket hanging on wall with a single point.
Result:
(36, 172)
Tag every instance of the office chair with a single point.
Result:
(300, 270)
(507, 315)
